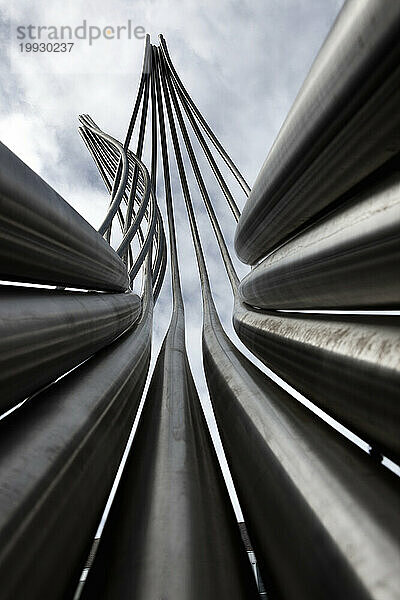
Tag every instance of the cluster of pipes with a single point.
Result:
(319, 307)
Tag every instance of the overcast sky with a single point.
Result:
(243, 63)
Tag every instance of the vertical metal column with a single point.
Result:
(171, 532)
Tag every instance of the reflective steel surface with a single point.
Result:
(44, 240)
(347, 365)
(344, 124)
(349, 260)
(323, 518)
(59, 454)
(45, 333)
(171, 532)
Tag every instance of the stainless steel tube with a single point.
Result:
(171, 531)
(58, 459)
(344, 124)
(348, 260)
(323, 517)
(45, 333)
(44, 240)
(347, 365)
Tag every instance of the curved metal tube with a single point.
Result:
(44, 240)
(132, 229)
(160, 261)
(175, 279)
(93, 150)
(142, 129)
(184, 496)
(171, 531)
(202, 187)
(45, 333)
(273, 451)
(137, 177)
(58, 459)
(217, 145)
(147, 241)
(132, 125)
(347, 365)
(116, 194)
(349, 260)
(323, 519)
(108, 166)
(343, 125)
(161, 248)
(160, 277)
(139, 151)
(229, 198)
(144, 210)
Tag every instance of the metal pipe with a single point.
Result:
(44, 240)
(45, 333)
(181, 169)
(285, 464)
(132, 122)
(216, 143)
(225, 255)
(160, 263)
(348, 260)
(142, 130)
(139, 151)
(144, 207)
(347, 365)
(171, 531)
(117, 189)
(147, 241)
(151, 213)
(98, 148)
(233, 278)
(58, 460)
(158, 282)
(97, 158)
(343, 125)
(117, 198)
(95, 144)
(323, 518)
(184, 542)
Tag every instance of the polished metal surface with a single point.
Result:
(349, 260)
(171, 532)
(134, 182)
(344, 124)
(45, 333)
(44, 240)
(148, 203)
(323, 518)
(304, 490)
(58, 459)
(142, 130)
(349, 365)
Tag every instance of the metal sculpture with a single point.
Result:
(156, 540)
(321, 228)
